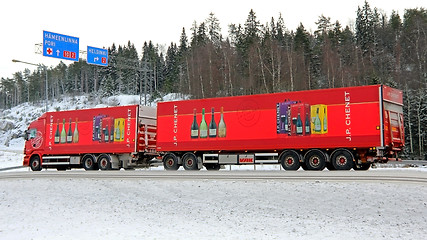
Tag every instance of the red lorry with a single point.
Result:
(340, 129)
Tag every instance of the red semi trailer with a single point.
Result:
(339, 129)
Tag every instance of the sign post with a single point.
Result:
(60, 46)
(97, 56)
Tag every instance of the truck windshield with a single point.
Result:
(30, 134)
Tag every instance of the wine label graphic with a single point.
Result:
(319, 119)
(119, 129)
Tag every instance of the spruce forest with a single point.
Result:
(257, 58)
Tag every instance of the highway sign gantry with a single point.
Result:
(97, 56)
(60, 46)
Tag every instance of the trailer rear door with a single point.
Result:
(393, 118)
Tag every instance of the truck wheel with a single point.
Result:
(88, 162)
(104, 162)
(189, 160)
(362, 167)
(289, 160)
(35, 163)
(212, 167)
(170, 162)
(315, 160)
(342, 159)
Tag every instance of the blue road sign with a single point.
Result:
(97, 56)
(60, 46)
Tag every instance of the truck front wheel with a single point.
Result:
(35, 163)
(170, 162)
(289, 160)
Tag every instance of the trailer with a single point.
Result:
(104, 138)
(339, 129)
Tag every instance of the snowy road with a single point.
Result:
(139, 205)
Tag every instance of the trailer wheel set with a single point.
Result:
(290, 160)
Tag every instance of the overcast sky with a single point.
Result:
(102, 23)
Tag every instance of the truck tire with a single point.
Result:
(35, 163)
(104, 162)
(189, 160)
(342, 159)
(170, 162)
(88, 162)
(315, 160)
(289, 160)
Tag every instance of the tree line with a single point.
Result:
(257, 58)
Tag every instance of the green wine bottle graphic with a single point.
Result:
(317, 122)
(307, 124)
(194, 126)
(212, 126)
(203, 126)
(325, 121)
(63, 133)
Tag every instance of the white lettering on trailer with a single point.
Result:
(175, 125)
(128, 128)
(50, 131)
(347, 111)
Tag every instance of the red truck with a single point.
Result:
(340, 129)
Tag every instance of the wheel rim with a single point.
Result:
(342, 160)
(189, 162)
(289, 161)
(89, 163)
(314, 161)
(170, 162)
(35, 163)
(103, 162)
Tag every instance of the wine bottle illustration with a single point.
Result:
(112, 131)
(194, 126)
(76, 132)
(325, 121)
(106, 134)
(203, 126)
(63, 133)
(122, 131)
(222, 130)
(317, 122)
(69, 134)
(56, 140)
(117, 131)
(299, 122)
(307, 124)
(212, 126)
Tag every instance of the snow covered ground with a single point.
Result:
(206, 209)
(210, 209)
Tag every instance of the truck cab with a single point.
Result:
(34, 143)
